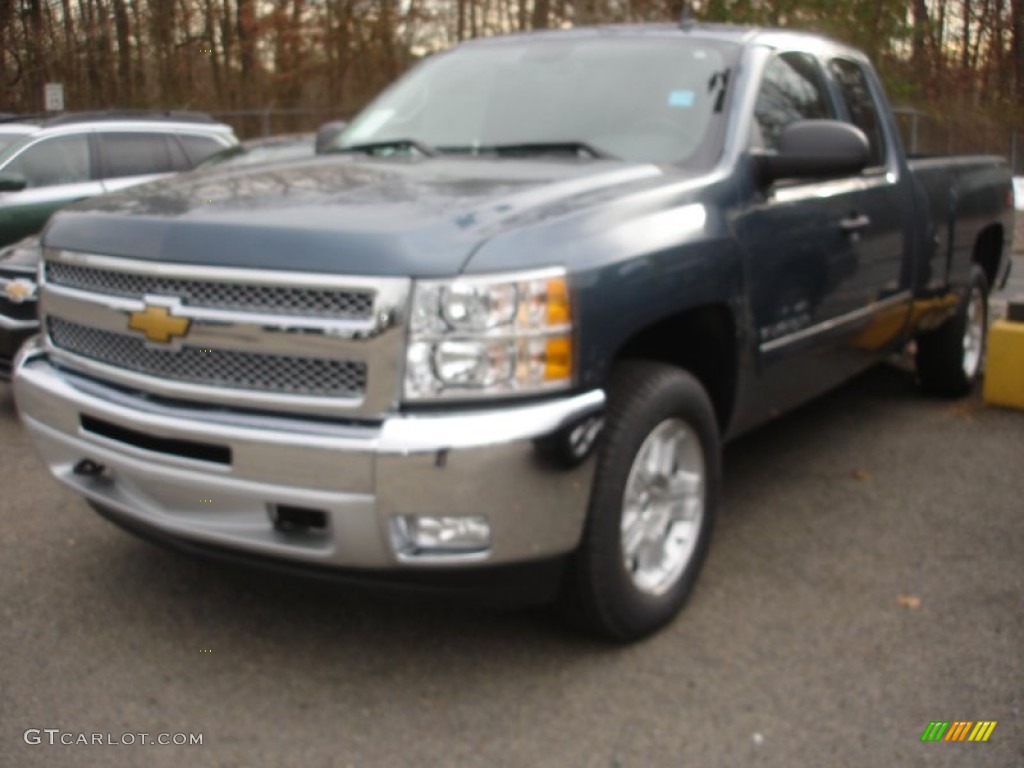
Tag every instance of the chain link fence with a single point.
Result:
(925, 133)
(254, 123)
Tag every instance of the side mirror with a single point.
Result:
(327, 133)
(12, 182)
(810, 149)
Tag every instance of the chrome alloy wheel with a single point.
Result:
(663, 507)
(974, 332)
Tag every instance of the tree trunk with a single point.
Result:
(105, 62)
(965, 50)
(34, 32)
(246, 21)
(541, 13)
(141, 77)
(1017, 24)
(211, 46)
(227, 36)
(124, 52)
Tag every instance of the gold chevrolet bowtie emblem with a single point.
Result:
(158, 324)
(18, 291)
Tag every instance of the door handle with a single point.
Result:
(855, 223)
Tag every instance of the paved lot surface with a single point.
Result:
(866, 578)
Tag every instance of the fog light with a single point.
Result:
(416, 536)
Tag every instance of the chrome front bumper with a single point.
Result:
(480, 463)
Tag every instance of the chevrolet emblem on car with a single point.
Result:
(158, 324)
(19, 290)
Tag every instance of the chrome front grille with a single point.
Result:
(273, 340)
(301, 301)
(285, 374)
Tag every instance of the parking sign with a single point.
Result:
(53, 96)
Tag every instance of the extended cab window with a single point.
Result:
(853, 85)
(792, 89)
(60, 160)
(134, 154)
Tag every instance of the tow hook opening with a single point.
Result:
(298, 520)
(89, 468)
(571, 445)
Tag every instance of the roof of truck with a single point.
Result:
(727, 33)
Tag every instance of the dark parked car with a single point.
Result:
(18, 265)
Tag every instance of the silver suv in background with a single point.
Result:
(13, 130)
(76, 156)
(45, 166)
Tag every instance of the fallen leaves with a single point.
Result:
(966, 410)
(910, 602)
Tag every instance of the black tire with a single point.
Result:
(600, 592)
(944, 365)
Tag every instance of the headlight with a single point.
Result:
(486, 336)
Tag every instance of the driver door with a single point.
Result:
(799, 239)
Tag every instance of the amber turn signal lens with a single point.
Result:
(558, 359)
(558, 301)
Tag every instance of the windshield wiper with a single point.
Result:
(719, 80)
(372, 147)
(576, 148)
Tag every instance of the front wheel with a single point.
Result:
(652, 506)
(949, 359)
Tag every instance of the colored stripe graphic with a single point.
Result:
(982, 730)
(958, 731)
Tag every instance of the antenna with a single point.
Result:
(686, 21)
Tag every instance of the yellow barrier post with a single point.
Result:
(1004, 367)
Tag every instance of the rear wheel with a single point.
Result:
(949, 359)
(652, 506)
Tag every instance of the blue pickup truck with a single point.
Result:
(504, 324)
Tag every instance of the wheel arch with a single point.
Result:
(702, 341)
(988, 251)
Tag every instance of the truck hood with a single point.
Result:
(347, 215)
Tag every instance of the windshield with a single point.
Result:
(639, 99)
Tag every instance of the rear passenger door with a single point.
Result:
(803, 260)
(882, 244)
(134, 157)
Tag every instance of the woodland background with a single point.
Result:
(960, 63)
